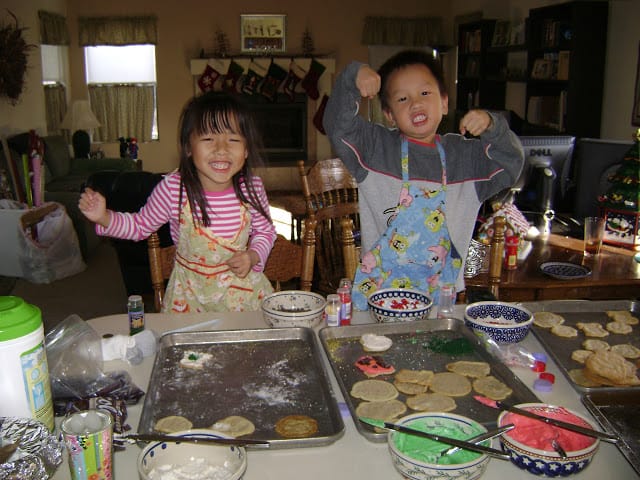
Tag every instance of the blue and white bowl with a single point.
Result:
(416, 469)
(399, 305)
(503, 322)
(293, 308)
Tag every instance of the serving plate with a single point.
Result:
(565, 270)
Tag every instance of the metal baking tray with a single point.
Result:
(575, 311)
(617, 412)
(417, 346)
(261, 374)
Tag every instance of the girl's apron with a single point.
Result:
(416, 250)
(201, 281)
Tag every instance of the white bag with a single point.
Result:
(49, 250)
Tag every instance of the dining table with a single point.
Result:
(351, 456)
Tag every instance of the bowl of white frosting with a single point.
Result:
(196, 461)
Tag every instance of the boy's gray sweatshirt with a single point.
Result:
(476, 168)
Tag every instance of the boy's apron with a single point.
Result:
(416, 250)
(201, 281)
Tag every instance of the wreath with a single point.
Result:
(13, 59)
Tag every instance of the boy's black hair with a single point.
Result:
(404, 59)
(217, 112)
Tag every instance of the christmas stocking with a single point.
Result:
(310, 81)
(317, 118)
(208, 79)
(272, 81)
(232, 76)
(291, 82)
(252, 79)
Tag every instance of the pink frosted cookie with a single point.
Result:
(372, 366)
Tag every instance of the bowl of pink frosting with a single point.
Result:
(531, 443)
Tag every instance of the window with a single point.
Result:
(54, 79)
(122, 91)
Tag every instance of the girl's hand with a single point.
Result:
(94, 206)
(476, 122)
(242, 262)
(367, 82)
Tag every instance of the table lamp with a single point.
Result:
(79, 119)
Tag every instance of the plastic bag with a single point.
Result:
(50, 250)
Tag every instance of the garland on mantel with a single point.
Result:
(13, 59)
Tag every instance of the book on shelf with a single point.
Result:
(548, 111)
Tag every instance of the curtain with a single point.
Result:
(415, 32)
(55, 102)
(123, 111)
(117, 31)
(53, 28)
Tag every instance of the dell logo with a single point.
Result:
(540, 152)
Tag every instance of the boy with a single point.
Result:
(419, 192)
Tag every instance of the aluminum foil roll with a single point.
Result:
(39, 453)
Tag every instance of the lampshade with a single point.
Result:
(80, 117)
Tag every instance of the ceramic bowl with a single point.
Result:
(193, 457)
(473, 464)
(536, 455)
(293, 308)
(503, 322)
(399, 305)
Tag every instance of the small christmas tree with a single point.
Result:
(307, 43)
(621, 202)
(222, 44)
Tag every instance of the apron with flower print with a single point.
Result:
(416, 250)
(201, 281)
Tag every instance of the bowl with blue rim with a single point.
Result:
(399, 305)
(504, 322)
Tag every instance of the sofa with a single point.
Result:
(66, 176)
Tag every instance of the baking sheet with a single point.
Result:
(560, 348)
(261, 374)
(617, 412)
(417, 346)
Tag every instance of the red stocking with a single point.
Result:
(208, 79)
(317, 118)
(310, 81)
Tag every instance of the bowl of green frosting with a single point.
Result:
(421, 459)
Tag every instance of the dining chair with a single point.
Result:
(161, 260)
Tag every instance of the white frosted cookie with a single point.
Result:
(192, 359)
(595, 344)
(564, 331)
(491, 387)
(172, 423)
(421, 377)
(592, 329)
(580, 355)
(626, 350)
(431, 402)
(375, 343)
(620, 328)
(470, 369)
(374, 390)
(449, 383)
(623, 316)
(234, 426)
(547, 319)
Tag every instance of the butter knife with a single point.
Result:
(156, 437)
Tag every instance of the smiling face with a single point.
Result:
(218, 157)
(416, 105)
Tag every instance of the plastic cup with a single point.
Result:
(88, 436)
(593, 235)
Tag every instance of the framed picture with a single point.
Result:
(263, 33)
(635, 116)
(501, 34)
(542, 69)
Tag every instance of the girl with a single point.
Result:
(216, 208)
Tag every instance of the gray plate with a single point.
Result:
(262, 374)
(420, 345)
(560, 348)
(617, 412)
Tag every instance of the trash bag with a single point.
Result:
(48, 248)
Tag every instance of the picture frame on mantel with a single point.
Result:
(635, 116)
(263, 33)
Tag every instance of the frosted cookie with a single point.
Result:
(580, 355)
(296, 426)
(374, 390)
(449, 383)
(592, 329)
(421, 377)
(234, 426)
(375, 343)
(547, 319)
(577, 375)
(619, 328)
(564, 331)
(470, 369)
(623, 316)
(372, 366)
(410, 388)
(431, 402)
(610, 368)
(172, 423)
(491, 387)
(387, 411)
(626, 350)
(191, 359)
(594, 344)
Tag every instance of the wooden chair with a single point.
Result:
(327, 182)
(161, 260)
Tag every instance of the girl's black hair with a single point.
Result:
(216, 112)
(404, 59)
